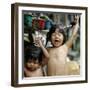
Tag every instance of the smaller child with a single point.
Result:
(32, 66)
(33, 56)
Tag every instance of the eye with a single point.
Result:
(53, 34)
(30, 61)
(36, 62)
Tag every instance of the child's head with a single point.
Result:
(32, 64)
(33, 57)
(56, 35)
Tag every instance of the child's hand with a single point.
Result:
(75, 21)
(76, 18)
(76, 25)
(38, 41)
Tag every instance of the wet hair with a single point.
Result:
(52, 30)
(33, 52)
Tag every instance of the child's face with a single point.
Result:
(32, 64)
(57, 38)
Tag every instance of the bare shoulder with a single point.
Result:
(65, 47)
(49, 48)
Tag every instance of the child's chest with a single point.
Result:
(35, 73)
(58, 53)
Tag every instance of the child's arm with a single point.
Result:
(74, 34)
(38, 41)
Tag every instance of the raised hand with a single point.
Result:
(75, 27)
(76, 18)
(38, 41)
(75, 21)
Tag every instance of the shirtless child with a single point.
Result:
(57, 54)
(33, 59)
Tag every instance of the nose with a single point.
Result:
(32, 64)
(56, 35)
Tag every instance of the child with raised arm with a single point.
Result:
(57, 54)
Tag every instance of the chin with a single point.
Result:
(32, 69)
(57, 45)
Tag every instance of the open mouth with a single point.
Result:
(57, 40)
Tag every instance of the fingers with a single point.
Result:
(76, 18)
(38, 41)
